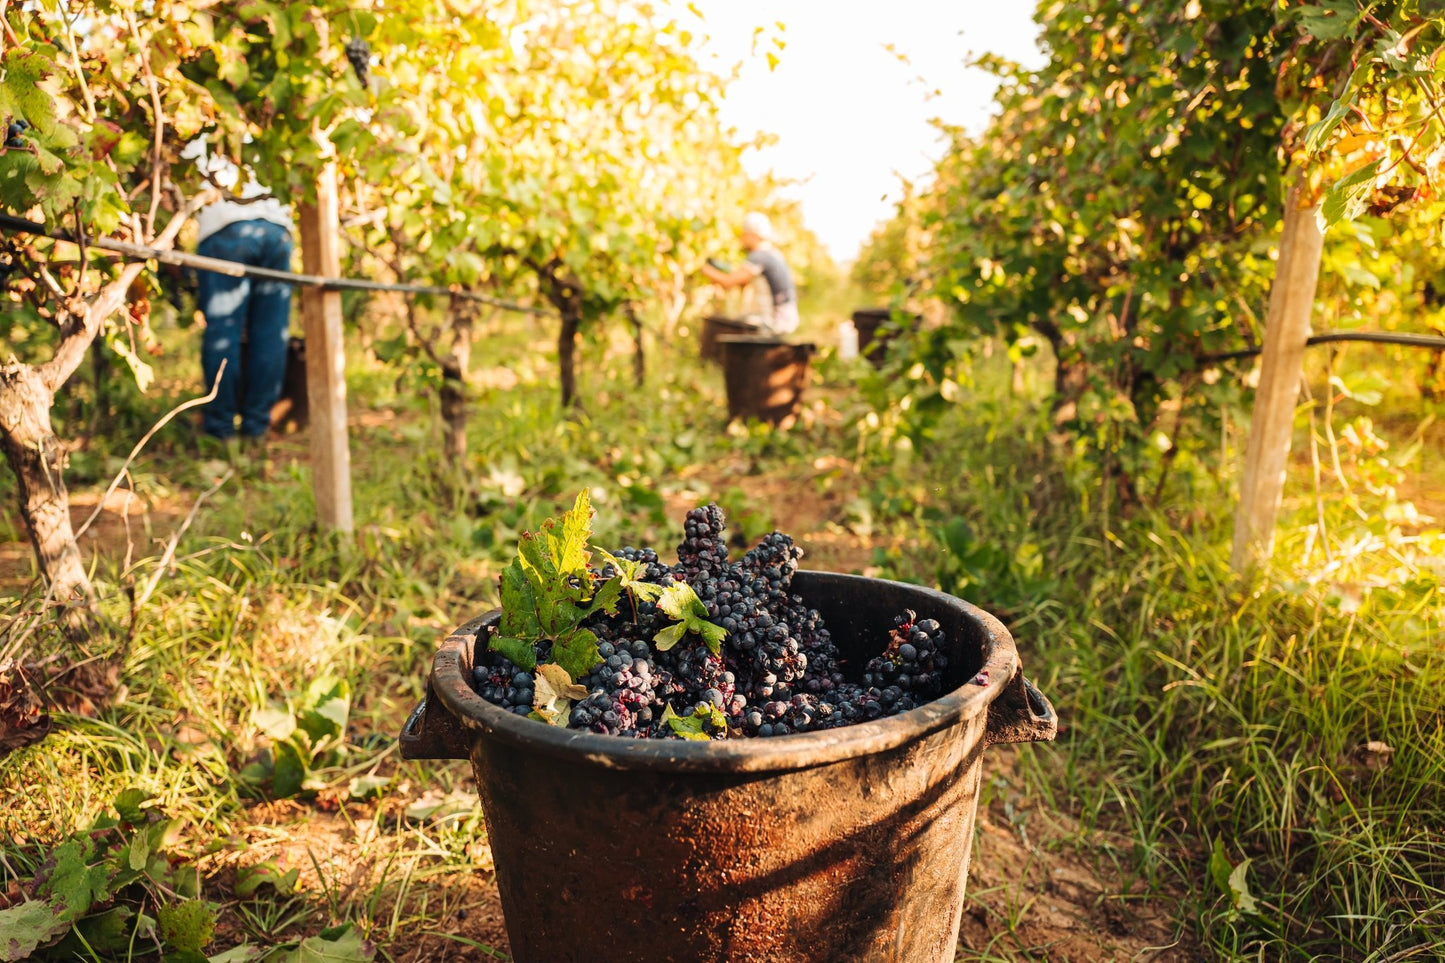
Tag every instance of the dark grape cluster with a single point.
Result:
(778, 671)
(504, 684)
(703, 553)
(15, 133)
(913, 660)
(358, 54)
(621, 691)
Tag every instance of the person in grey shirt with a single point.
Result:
(777, 313)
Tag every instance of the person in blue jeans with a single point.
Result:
(250, 310)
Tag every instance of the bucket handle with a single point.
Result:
(1021, 713)
(431, 732)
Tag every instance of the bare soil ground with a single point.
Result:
(1042, 895)
(126, 528)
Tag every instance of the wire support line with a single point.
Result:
(1432, 341)
(235, 270)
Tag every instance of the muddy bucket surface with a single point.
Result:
(714, 327)
(850, 844)
(765, 377)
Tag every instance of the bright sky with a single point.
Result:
(849, 116)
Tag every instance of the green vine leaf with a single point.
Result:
(72, 882)
(187, 926)
(629, 580)
(548, 590)
(576, 652)
(27, 926)
(522, 653)
(699, 725)
(680, 602)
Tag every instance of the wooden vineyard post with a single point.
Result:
(325, 356)
(1287, 328)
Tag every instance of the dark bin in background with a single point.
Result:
(291, 410)
(874, 332)
(765, 377)
(714, 327)
(845, 845)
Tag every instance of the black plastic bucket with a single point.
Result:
(765, 377)
(714, 327)
(875, 332)
(849, 844)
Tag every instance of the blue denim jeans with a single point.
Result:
(261, 311)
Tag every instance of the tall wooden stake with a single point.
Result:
(325, 357)
(1287, 328)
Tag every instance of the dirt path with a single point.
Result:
(127, 527)
(817, 503)
(1035, 894)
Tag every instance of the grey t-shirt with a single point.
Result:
(775, 272)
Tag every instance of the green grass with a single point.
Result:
(1197, 710)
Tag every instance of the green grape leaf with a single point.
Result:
(670, 636)
(576, 651)
(522, 599)
(698, 725)
(1347, 198)
(547, 591)
(677, 601)
(21, 93)
(71, 882)
(27, 926)
(605, 596)
(1329, 19)
(712, 636)
(143, 373)
(648, 591)
(629, 577)
(187, 926)
(522, 653)
(680, 601)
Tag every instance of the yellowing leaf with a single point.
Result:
(554, 694)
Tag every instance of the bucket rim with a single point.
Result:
(763, 340)
(451, 685)
(722, 319)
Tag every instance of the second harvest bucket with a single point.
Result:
(714, 327)
(765, 377)
(849, 844)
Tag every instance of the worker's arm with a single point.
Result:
(738, 277)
